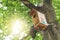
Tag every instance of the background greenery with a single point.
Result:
(11, 10)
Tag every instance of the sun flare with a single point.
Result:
(17, 26)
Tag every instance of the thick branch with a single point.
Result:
(30, 5)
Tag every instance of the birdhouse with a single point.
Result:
(39, 20)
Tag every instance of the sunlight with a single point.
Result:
(1, 5)
(7, 38)
(22, 35)
(1, 31)
(16, 26)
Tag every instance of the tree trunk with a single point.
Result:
(53, 31)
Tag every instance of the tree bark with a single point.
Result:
(53, 31)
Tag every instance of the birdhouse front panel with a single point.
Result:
(34, 15)
(35, 19)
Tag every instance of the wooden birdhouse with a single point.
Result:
(39, 20)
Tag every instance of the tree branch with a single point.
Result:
(30, 5)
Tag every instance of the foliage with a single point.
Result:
(15, 9)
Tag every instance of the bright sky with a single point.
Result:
(17, 26)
